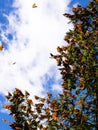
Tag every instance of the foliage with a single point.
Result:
(77, 107)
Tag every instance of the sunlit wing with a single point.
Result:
(34, 5)
(1, 47)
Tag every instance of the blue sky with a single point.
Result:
(29, 35)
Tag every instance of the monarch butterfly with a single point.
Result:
(47, 110)
(49, 95)
(36, 97)
(1, 47)
(17, 128)
(6, 106)
(34, 5)
(27, 93)
(55, 117)
(5, 121)
(29, 101)
(14, 63)
(42, 99)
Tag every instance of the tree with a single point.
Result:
(77, 107)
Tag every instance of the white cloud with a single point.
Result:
(36, 33)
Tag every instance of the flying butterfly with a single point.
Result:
(34, 5)
(14, 63)
(5, 121)
(1, 47)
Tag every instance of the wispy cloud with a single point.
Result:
(36, 32)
